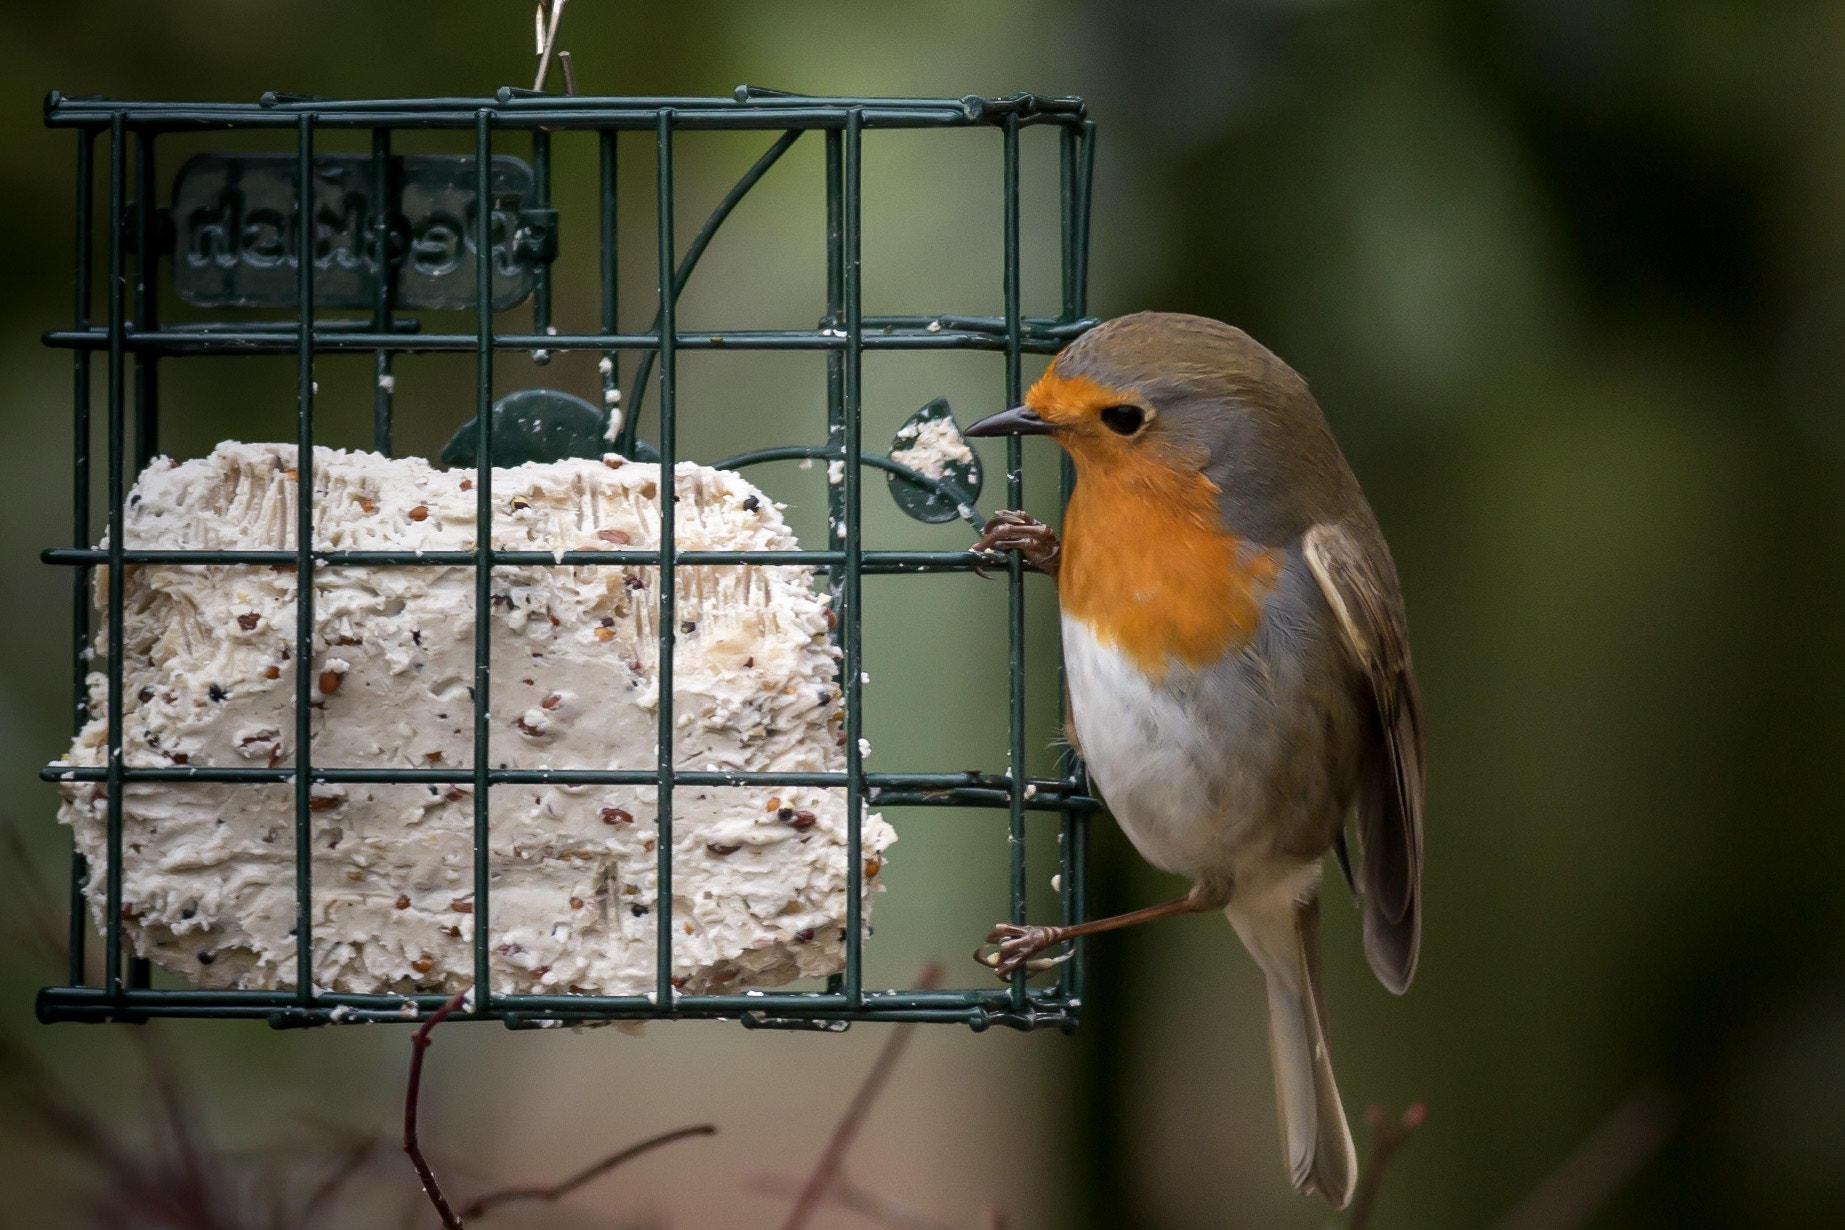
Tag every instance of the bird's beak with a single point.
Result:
(1018, 421)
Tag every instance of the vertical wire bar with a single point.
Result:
(304, 559)
(835, 359)
(483, 540)
(1085, 197)
(384, 287)
(146, 320)
(610, 234)
(851, 620)
(1076, 852)
(541, 199)
(80, 520)
(1015, 570)
(669, 456)
(835, 370)
(1069, 839)
(118, 173)
(1067, 145)
(147, 374)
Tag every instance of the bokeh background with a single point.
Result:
(1568, 277)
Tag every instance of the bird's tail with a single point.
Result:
(1281, 929)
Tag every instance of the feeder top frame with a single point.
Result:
(748, 107)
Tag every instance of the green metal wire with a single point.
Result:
(304, 573)
(844, 334)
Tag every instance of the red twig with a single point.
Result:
(419, 1042)
(1386, 1140)
(848, 1195)
(556, 1191)
(826, 1170)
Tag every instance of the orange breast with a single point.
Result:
(1148, 569)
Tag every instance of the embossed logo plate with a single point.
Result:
(237, 231)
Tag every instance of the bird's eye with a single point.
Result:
(1124, 420)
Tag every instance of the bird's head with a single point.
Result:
(1159, 395)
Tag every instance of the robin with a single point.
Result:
(1238, 668)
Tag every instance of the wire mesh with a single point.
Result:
(133, 342)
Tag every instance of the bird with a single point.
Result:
(1237, 660)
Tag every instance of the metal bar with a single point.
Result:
(384, 289)
(890, 563)
(566, 113)
(304, 560)
(1074, 978)
(541, 274)
(483, 549)
(835, 358)
(1015, 568)
(1068, 151)
(147, 265)
(147, 374)
(977, 1009)
(112, 917)
(609, 232)
(851, 623)
(746, 98)
(666, 487)
(80, 520)
(639, 1005)
(1041, 337)
(1050, 793)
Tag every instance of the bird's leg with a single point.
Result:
(1010, 948)
(1012, 530)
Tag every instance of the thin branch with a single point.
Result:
(1601, 1165)
(343, 1173)
(545, 1195)
(62, 1115)
(826, 1170)
(419, 1043)
(196, 1180)
(1386, 1140)
(547, 37)
(33, 895)
(848, 1195)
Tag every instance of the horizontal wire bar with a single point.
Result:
(744, 96)
(876, 562)
(978, 1009)
(894, 789)
(581, 112)
(1045, 336)
(138, 118)
(730, 1003)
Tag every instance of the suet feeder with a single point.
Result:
(365, 274)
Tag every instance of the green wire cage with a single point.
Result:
(513, 245)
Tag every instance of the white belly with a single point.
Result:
(1149, 755)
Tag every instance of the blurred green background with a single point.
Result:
(1568, 277)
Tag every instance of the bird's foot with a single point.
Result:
(1013, 530)
(1010, 948)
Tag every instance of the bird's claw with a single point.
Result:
(1012, 530)
(1010, 948)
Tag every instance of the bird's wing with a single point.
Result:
(1364, 596)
